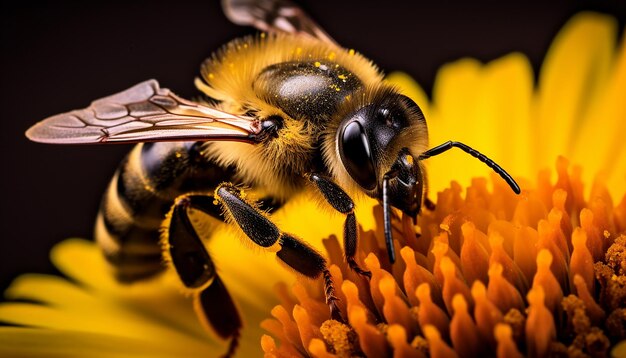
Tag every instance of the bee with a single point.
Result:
(284, 110)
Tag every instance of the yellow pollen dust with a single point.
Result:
(339, 336)
(335, 87)
(409, 159)
(317, 64)
(351, 52)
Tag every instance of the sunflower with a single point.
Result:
(485, 272)
(489, 273)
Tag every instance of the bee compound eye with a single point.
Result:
(356, 155)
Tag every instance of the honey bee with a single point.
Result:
(284, 109)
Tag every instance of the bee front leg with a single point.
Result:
(429, 204)
(341, 202)
(289, 249)
(213, 304)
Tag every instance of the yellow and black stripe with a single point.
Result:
(141, 193)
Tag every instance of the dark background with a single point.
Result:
(58, 57)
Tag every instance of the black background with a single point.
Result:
(60, 56)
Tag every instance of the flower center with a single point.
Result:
(539, 274)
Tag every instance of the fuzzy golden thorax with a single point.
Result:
(276, 165)
(229, 73)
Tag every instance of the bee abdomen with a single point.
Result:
(130, 261)
(138, 197)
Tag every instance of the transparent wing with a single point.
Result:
(274, 16)
(143, 113)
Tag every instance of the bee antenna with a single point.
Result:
(474, 153)
(387, 220)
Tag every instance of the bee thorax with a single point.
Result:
(309, 89)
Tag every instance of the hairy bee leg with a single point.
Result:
(192, 262)
(341, 202)
(387, 221)
(186, 250)
(293, 252)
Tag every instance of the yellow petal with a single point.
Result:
(488, 108)
(505, 104)
(82, 261)
(108, 322)
(576, 70)
(454, 117)
(52, 290)
(599, 144)
(70, 299)
(152, 309)
(33, 342)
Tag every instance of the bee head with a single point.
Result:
(378, 143)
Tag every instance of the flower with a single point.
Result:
(90, 314)
(490, 273)
(576, 107)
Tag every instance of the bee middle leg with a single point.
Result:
(341, 202)
(193, 264)
(290, 250)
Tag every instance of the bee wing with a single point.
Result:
(274, 16)
(143, 113)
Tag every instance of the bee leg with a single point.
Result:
(341, 202)
(217, 311)
(289, 249)
(192, 262)
(429, 204)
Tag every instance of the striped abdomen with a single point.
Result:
(138, 197)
